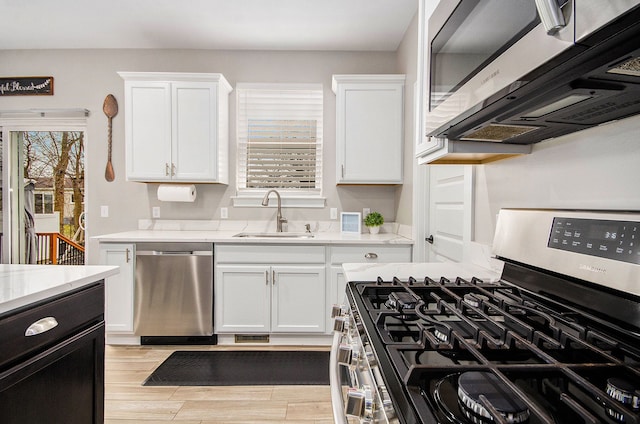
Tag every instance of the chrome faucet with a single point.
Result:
(279, 219)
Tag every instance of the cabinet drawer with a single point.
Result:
(269, 254)
(72, 313)
(370, 254)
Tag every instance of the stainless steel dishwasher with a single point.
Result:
(173, 289)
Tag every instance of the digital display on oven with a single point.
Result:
(617, 240)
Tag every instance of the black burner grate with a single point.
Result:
(557, 361)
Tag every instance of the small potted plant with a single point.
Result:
(373, 221)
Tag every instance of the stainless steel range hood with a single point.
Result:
(594, 81)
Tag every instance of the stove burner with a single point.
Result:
(474, 384)
(473, 299)
(625, 393)
(443, 337)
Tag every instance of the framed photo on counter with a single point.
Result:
(350, 222)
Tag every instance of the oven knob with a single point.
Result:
(348, 355)
(355, 403)
(337, 311)
(345, 353)
(341, 324)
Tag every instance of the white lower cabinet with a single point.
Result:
(270, 289)
(119, 289)
(242, 299)
(370, 254)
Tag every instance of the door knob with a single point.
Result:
(429, 239)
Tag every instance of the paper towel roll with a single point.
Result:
(177, 192)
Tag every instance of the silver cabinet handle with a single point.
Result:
(273, 277)
(127, 258)
(266, 277)
(41, 326)
(550, 15)
(166, 169)
(342, 166)
(173, 169)
(371, 255)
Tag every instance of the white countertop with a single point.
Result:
(21, 285)
(228, 237)
(370, 272)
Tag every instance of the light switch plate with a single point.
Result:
(333, 213)
(155, 211)
(224, 213)
(104, 211)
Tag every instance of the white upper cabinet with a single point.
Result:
(369, 128)
(176, 127)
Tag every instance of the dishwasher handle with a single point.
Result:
(174, 253)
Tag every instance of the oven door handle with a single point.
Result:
(337, 402)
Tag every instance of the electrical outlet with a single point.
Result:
(224, 213)
(333, 213)
(155, 211)
(104, 211)
(365, 212)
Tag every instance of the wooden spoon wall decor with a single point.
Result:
(110, 108)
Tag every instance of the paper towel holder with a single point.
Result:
(177, 193)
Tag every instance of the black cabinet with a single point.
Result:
(56, 376)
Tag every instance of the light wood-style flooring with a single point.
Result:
(128, 402)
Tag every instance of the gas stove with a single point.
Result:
(541, 344)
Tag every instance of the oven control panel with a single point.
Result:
(617, 240)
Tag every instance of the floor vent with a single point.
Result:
(242, 338)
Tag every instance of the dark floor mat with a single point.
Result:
(245, 368)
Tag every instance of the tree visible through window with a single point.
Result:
(54, 161)
(280, 138)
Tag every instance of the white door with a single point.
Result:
(194, 151)
(242, 299)
(119, 288)
(450, 212)
(148, 131)
(299, 299)
(42, 190)
(373, 125)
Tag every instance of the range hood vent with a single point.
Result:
(630, 67)
(498, 132)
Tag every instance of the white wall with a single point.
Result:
(408, 65)
(598, 168)
(82, 79)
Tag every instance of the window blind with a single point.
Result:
(280, 139)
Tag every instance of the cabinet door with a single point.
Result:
(338, 289)
(339, 284)
(119, 288)
(299, 299)
(62, 384)
(242, 299)
(370, 133)
(148, 130)
(194, 125)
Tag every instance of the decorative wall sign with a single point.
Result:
(26, 86)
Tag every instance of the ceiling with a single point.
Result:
(363, 25)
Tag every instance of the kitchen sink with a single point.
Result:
(274, 235)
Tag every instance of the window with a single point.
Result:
(43, 203)
(279, 139)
